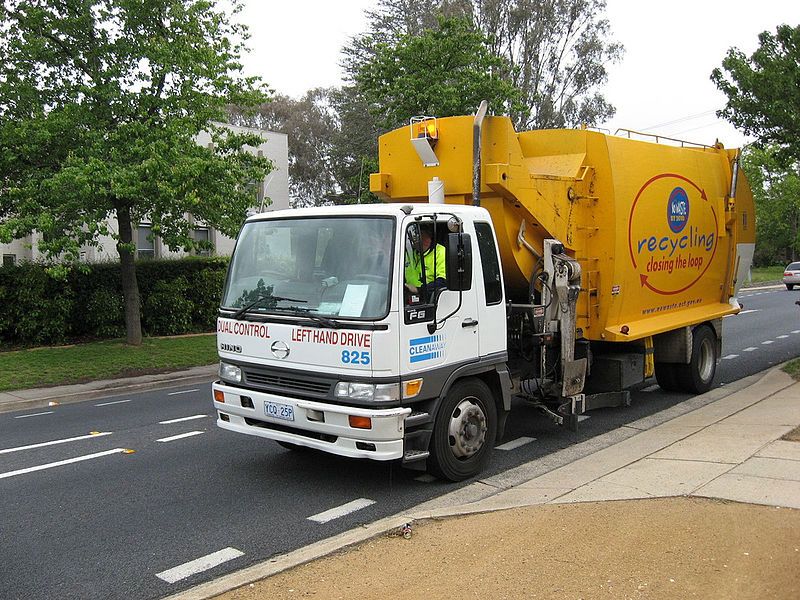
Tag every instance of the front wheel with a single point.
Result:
(464, 431)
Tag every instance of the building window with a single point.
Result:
(145, 244)
(9, 260)
(202, 234)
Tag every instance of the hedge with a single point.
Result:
(177, 296)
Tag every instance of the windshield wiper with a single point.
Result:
(302, 311)
(238, 314)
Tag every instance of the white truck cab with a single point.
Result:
(323, 345)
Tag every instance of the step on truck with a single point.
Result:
(557, 267)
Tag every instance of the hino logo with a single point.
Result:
(279, 350)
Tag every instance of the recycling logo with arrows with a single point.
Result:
(671, 234)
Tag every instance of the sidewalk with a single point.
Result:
(63, 394)
(638, 513)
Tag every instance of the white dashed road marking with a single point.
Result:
(750, 349)
(583, 418)
(650, 388)
(796, 331)
(182, 392)
(730, 357)
(61, 463)
(180, 436)
(54, 442)
(782, 337)
(521, 441)
(425, 478)
(341, 511)
(110, 403)
(49, 412)
(767, 342)
(204, 563)
(182, 419)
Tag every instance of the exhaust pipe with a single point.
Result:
(477, 128)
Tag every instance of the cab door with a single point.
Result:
(449, 343)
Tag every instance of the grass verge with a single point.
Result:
(793, 368)
(43, 367)
(763, 274)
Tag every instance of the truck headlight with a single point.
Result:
(369, 392)
(230, 373)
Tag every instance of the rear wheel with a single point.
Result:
(464, 431)
(698, 375)
(665, 376)
(790, 286)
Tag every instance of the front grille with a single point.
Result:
(288, 385)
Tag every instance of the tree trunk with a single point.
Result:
(130, 286)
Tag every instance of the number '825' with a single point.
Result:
(354, 357)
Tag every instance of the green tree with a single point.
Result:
(776, 191)
(557, 51)
(100, 105)
(763, 91)
(443, 71)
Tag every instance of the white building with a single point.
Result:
(274, 188)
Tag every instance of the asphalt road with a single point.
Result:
(83, 517)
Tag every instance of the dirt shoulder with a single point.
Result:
(659, 548)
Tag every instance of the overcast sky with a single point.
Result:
(661, 85)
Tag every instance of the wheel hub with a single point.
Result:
(467, 429)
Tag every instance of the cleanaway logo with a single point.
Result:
(426, 348)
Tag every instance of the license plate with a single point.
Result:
(277, 410)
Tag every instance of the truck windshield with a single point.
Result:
(335, 267)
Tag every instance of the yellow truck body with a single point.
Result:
(661, 240)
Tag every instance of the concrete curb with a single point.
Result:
(67, 394)
(506, 490)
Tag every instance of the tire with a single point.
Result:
(665, 376)
(698, 375)
(464, 431)
(790, 286)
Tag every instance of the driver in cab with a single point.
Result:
(433, 259)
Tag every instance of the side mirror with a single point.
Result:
(459, 262)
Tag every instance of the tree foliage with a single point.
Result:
(557, 50)
(100, 105)
(763, 91)
(310, 125)
(443, 71)
(776, 191)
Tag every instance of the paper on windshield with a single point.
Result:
(353, 302)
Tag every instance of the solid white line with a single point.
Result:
(650, 388)
(110, 403)
(767, 342)
(750, 349)
(782, 337)
(61, 463)
(49, 412)
(53, 443)
(182, 419)
(183, 392)
(180, 436)
(730, 357)
(521, 441)
(204, 563)
(340, 511)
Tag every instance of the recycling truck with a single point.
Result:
(577, 265)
